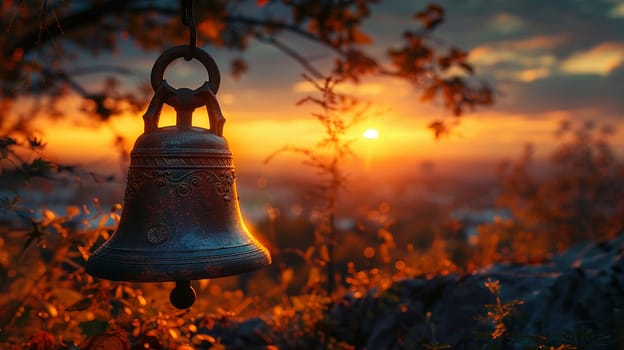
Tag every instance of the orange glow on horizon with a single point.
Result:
(493, 136)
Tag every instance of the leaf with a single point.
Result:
(34, 235)
(429, 93)
(439, 129)
(185, 347)
(308, 253)
(313, 26)
(173, 333)
(49, 215)
(457, 110)
(238, 67)
(287, 276)
(200, 338)
(314, 276)
(5, 143)
(103, 221)
(360, 37)
(467, 67)
(37, 168)
(80, 305)
(444, 62)
(324, 253)
(298, 303)
(52, 310)
(35, 143)
(431, 17)
(211, 28)
(42, 340)
(72, 211)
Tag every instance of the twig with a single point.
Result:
(292, 53)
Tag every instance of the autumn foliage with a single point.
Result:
(49, 302)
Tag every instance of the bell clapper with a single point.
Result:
(183, 295)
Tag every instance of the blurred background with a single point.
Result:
(520, 161)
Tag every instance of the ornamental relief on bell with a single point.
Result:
(183, 184)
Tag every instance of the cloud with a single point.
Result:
(588, 96)
(473, 23)
(617, 10)
(529, 75)
(543, 56)
(495, 54)
(525, 59)
(520, 60)
(506, 23)
(538, 42)
(524, 76)
(600, 59)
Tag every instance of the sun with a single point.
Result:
(371, 134)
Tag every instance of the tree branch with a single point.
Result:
(101, 69)
(60, 75)
(95, 13)
(74, 21)
(281, 26)
(293, 54)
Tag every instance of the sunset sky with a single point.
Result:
(548, 61)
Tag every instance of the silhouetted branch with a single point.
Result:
(305, 63)
(104, 68)
(72, 22)
(63, 76)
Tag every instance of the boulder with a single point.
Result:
(577, 298)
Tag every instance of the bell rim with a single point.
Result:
(126, 265)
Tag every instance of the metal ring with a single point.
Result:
(169, 55)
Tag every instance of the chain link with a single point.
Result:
(188, 19)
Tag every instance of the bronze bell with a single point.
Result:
(181, 219)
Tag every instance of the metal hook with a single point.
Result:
(188, 19)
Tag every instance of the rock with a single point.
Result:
(252, 333)
(577, 298)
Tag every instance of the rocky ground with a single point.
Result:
(576, 299)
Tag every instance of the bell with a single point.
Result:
(181, 219)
